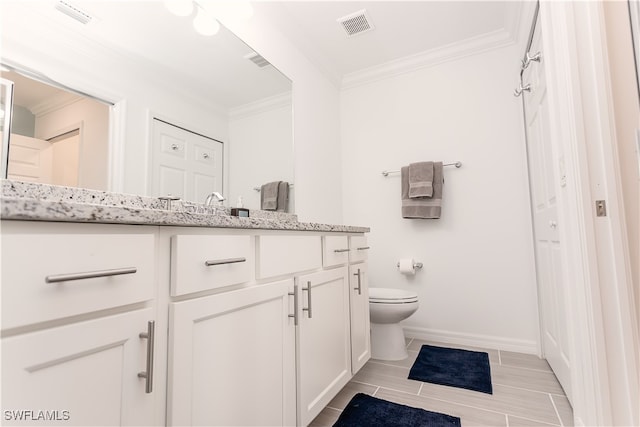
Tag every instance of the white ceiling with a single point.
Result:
(145, 30)
(402, 28)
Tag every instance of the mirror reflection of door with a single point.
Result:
(54, 161)
(57, 137)
(185, 164)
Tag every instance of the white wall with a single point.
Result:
(478, 281)
(260, 151)
(92, 117)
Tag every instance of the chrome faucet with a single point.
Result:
(215, 195)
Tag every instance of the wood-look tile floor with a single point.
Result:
(525, 391)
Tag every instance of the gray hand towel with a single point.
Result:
(269, 196)
(421, 179)
(425, 207)
(283, 196)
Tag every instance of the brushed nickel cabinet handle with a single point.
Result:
(224, 261)
(308, 309)
(57, 278)
(340, 250)
(363, 248)
(295, 295)
(150, 337)
(359, 287)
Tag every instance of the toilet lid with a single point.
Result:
(387, 295)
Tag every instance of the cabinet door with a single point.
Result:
(324, 364)
(82, 374)
(359, 300)
(232, 358)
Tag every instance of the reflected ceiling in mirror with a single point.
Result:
(208, 84)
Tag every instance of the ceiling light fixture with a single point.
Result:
(204, 23)
(179, 7)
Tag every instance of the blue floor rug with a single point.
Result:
(367, 411)
(453, 367)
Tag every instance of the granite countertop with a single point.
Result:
(42, 202)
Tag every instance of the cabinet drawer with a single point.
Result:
(335, 250)
(359, 248)
(288, 254)
(200, 263)
(47, 269)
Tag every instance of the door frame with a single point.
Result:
(602, 313)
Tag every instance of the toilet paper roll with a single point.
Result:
(406, 266)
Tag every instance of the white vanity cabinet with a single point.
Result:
(324, 357)
(78, 324)
(232, 358)
(142, 325)
(359, 302)
(82, 374)
(359, 315)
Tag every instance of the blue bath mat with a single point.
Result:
(453, 367)
(367, 411)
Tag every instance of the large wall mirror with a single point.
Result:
(136, 100)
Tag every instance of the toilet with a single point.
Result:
(387, 308)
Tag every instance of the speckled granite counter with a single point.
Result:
(40, 202)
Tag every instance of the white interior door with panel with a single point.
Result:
(544, 183)
(30, 159)
(185, 164)
(324, 355)
(82, 374)
(232, 358)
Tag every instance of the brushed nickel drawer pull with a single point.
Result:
(295, 295)
(224, 261)
(359, 287)
(150, 336)
(340, 250)
(308, 309)
(363, 248)
(56, 278)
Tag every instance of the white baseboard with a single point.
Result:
(473, 340)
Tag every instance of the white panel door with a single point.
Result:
(83, 374)
(185, 164)
(232, 359)
(548, 246)
(324, 351)
(30, 159)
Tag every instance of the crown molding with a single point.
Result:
(429, 58)
(54, 103)
(261, 106)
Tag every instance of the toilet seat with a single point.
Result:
(391, 296)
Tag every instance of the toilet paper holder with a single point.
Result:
(415, 264)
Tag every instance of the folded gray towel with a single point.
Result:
(269, 196)
(425, 207)
(283, 196)
(421, 179)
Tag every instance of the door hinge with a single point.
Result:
(601, 208)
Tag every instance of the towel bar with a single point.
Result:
(456, 164)
(258, 188)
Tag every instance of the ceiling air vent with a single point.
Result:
(356, 23)
(73, 12)
(257, 59)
